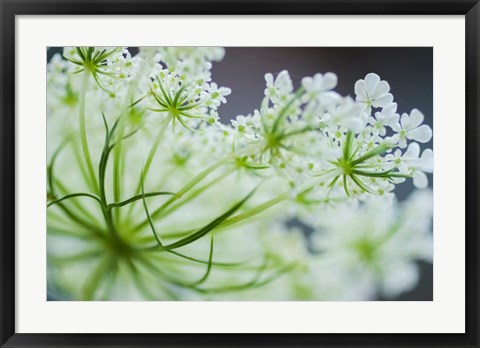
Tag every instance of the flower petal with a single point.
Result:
(422, 134)
(416, 119)
(354, 124)
(269, 79)
(391, 121)
(413, 151)
(361, 90)
(420, 179)
(390, 109)
(427, 161)
(382, 88)
(399, 278)
(405, 119)
(371, 82)
(383, 101)
(329, 80)
(283, 82)
(329, 98)
(307, 83)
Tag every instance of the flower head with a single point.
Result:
(373, 92)
(411, 128)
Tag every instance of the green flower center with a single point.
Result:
(346, 166)
(366, 249)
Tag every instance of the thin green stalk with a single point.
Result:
(196, 193)
(75, 258)
(156, 143)
(136, 198)
(87, 214)
(151, 154)
(118, 165)
(237, 218)
(102, 167)
(202, 175)
(209, 265)
(254, 211)
(52, 181)
(73, 195)
(81, 165)
(83, 132)
(118, 159)
(94, 280)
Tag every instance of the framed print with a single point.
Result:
(231, 174)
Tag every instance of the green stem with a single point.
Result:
(190, 197)
(118, 165)
(136, 198)
(155, 145)
(118, 159)
(254, 211)
(83, 132)
(87, 214)
(196, 193)
(150, 156)
(237, 218)
(81, 165)
(202, 175)
(284, 112)
(72, 196)
(107, 213)
(346, 147)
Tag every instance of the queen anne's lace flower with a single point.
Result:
(411, 128)
(347, 114)
(279, 88)
(376, 244)
(373, 92)
(107, 65)
(144, 179)
(183, 99)
(415, 165)
(385, 118)
(319, 83)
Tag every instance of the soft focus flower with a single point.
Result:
(151, 196)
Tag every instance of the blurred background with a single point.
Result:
(408, 70)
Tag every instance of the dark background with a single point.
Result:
(408, 70)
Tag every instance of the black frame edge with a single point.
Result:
(7, 173)
(472, 156)
(242, 7)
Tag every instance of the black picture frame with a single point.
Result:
(11, 8)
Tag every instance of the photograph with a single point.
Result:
(239, 173)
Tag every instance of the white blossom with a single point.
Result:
(373, 92)
(153, 195)
(411, 128)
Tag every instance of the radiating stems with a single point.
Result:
(202, 175)
(151, 154)
(154, 147)
(88, 215)
(254, 211)
(196, 193)
(118, 159)
(83, 132)
(107, 213)
(77, 152)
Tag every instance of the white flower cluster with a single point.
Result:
(182, 87)
(350, 253)
(350, 145)
(151, 197)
